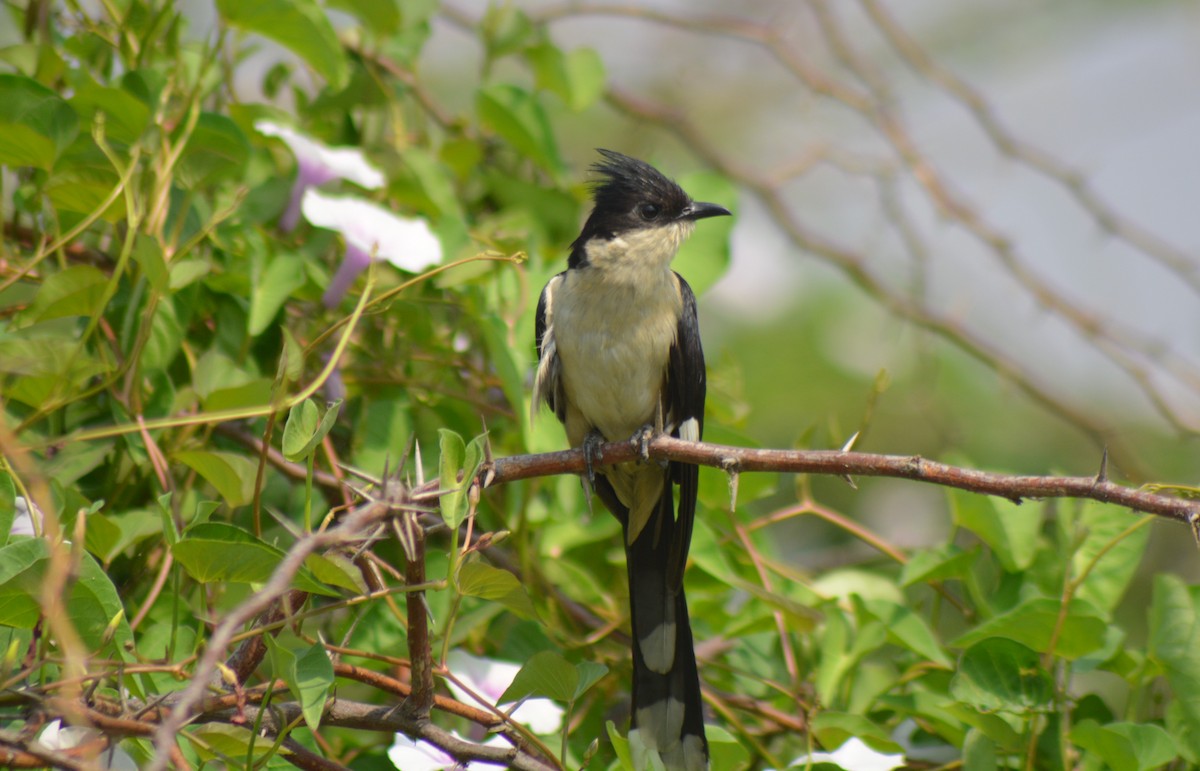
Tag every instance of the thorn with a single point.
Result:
(407, 451)
(846, 448)
(420, 466)
(1194, 521)
(1102, 475)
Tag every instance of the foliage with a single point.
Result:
(164, 351)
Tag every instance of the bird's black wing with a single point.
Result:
(684, 397)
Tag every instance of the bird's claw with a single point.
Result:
(591, 453)
(641, 439)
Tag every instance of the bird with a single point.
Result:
(619, 357)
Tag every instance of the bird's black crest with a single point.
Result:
(628, 181)
(621, 195)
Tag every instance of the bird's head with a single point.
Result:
(638, 204)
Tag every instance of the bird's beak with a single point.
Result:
(697, 210)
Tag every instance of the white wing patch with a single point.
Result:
(545, 380)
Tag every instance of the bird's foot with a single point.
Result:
(642, 438)
(591, 454)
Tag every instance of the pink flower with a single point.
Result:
(490, 679)
(370, 231)
(319, 164)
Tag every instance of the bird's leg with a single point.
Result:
(591, 453)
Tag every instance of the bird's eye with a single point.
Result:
(648, 211)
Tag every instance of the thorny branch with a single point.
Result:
(736, 460)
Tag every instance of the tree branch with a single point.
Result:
(735, 460)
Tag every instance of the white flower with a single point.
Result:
(854, 755)
(56, 736)
(409, 755)
(24, 521)
(370, 229)
(490, 679)
(318, 164)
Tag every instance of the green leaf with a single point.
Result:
(1173, 633)
(303, 431)
(20, 582)
(589, 674)
(1126, 746)
(505, 29)
(382, 432)
(282, 277)
(1011, 530)
(577, 77)
(503, 359)
(382, 17)
(336, 570)
(450, 463)
(620, 746)
(833, 729)
(76, 291)
(125, 115)
(36, 124)
(949, 562)
(225, 742)
(313, 679)
(83, 179)
(8, 506)
(1002, 675)
(298, 25)
(517, 116)
(545, 674)
(184, 272)
(166, 516)
(479, 579)
(455, 461)
(109, 535)
(906, 628)
(233, 475)
(93, 605)
(1033, 623)
(1111, 573)
(216, 149)
(214, 370)
(427, 184)
(979, 752)
(724, 750)
(215, 552)
(165, 339)
(250, 394)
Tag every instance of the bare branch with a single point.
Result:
(837, 463)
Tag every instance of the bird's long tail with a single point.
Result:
(667, 709)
